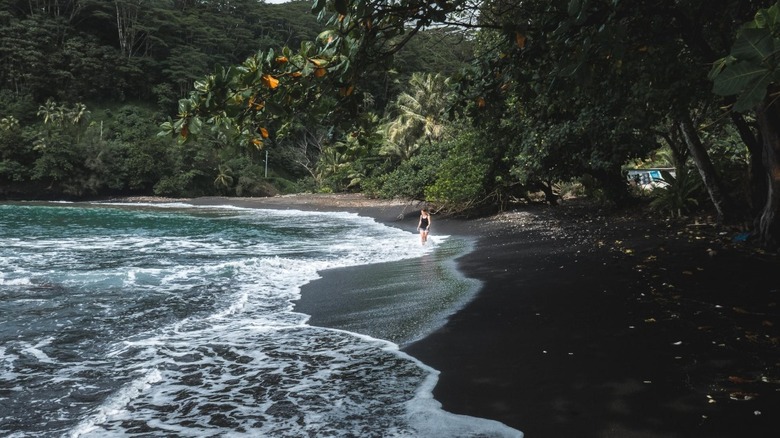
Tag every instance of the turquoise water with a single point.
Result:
(175, 320)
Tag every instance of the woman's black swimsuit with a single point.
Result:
(424, 224)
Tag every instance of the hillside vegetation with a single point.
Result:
(467, 105)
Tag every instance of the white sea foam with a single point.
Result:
(145, 204)
(427, 417)
(198, 328)
(35, 350)
(7, 360)
(23, 281)
(116, 403)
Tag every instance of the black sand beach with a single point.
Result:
(591, 325)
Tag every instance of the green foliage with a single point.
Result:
(453, 174)
(16, 153)
(410, 179)
(461, 178)
(417, 116)
(754, 62)
(19, 106)
(679, 197)
(731, 159)
(341, 166)
(441, 51)
(185, 184)
(155, 53)
(575, 94)
(59, 163)
(589, 85)
(248, 102)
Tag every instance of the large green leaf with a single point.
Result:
(196, 125)
(754, 45)
(718, 66)
(769, 18)
(753, 94)
(738, 77)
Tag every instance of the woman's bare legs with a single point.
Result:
(423, 236)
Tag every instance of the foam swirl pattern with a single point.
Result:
(173, 320)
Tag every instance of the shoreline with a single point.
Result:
(415, 297)
(591, 325)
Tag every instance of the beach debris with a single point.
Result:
(677, 343)
(650, 320)
(710, 400)
(756, 413)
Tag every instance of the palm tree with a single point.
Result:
(419, 116)
(402, 137)
(224, 177)
(79, 114)
(51, 112)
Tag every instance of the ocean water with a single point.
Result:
(174, 320)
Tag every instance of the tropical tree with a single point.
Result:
(224, 177)
(751, 72)
(419, 115)
(15, 153)
(679, 194)
(70, 120)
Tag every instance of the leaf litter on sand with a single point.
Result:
(713, 293)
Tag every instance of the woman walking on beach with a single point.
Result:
(424, 225)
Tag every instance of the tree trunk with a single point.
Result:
(678, 148)
(128, 14)
(768, 115)
(707, 171)
(758, 188)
